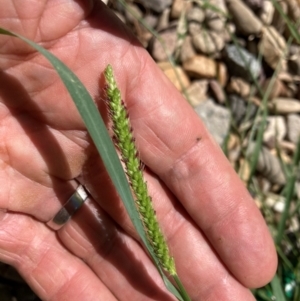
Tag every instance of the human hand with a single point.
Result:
(214, 230)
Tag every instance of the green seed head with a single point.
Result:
(124, 140)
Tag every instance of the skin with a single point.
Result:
(214, 230)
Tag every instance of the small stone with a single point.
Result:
(195, 14)
(201, 67)
(216, 119)
(151, 20)
(233, 141)
(275, 202)
(268, 165)
(273, 48)
(275, 130)
(170, 38)
(244, 170)
(178, 7)
(293, 227)
(194, 28)
(156, 5)
(270, 201)
(176, 75)
(240, 109)
(187, 50)
(293, 124)
(238, 86)
(276, 89)
(264, 185)
(217, 91)
(245, 20)
(282, 105)
(241, 63)
(163, 20)
(267, 12)
(216, 25)
(215, 18)
(222, 75)
(279, 206)
(287, 146)
(208, 42)
(197, 92)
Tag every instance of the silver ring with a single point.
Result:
(70, 207)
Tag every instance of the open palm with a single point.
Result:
(215, 232)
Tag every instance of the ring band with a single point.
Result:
(70, 207)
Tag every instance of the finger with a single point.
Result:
(117, 259)
(51, 271)
(182, 153)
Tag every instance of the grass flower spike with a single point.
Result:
(124, 141)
